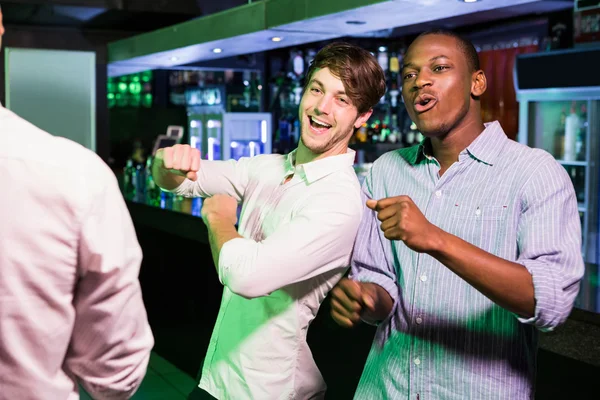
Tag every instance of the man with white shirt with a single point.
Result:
(300, 214)
(71, 309)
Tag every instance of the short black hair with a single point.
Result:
(465, 46)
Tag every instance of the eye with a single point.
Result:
(315, 90)
(409, 75)
(343, 100)
(440, 68)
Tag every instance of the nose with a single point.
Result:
(423, 79)
(324, 105)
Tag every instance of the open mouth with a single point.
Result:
(319, 127)
(425, 102)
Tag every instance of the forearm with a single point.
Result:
(220, 231)
(164, 178)
(506, 283)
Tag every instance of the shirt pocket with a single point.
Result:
(483, 225)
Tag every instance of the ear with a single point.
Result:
(478, 83)
(362, 118)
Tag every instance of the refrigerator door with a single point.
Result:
(569, 129)
(246, 135)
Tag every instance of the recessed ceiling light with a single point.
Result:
(174, 58)
(276, 39)
(469, 1)
(355, 22)
(382, 48)
(217, 50)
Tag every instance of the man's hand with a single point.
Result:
(352, 300)
(401, 219)
(220, 207)
(180, 159)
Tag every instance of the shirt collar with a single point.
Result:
(315, 170)
(485, 148)
(488, 145)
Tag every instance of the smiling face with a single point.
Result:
(439, 88)
(327, 116)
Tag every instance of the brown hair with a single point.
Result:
(359, 71)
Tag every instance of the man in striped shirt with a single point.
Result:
(473, 245)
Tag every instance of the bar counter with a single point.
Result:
(182, 294)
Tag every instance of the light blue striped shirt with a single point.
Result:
(444, 339)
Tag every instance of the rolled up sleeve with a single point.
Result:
(218, 177)
(316, 240)
(549, 239)
(370, 262)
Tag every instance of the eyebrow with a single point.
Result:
(318, 82)
(430, 60)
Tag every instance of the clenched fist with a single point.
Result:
(351, 301)
(401, 219)
(221, 207)
(180, 159)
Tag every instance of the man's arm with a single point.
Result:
(178, 169)
(543, 282)
(506, 283)
(317, 240)
(111, 342)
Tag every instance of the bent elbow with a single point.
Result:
(248, 288)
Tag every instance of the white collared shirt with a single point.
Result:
(296, 245)
(71, 308)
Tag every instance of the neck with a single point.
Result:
(447, 147)
(305, 155)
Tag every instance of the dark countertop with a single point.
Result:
(180, 222)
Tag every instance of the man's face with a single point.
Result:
(327, 116)
(437, 84)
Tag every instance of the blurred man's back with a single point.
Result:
(71, 308)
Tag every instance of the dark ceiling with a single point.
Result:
(109, 15)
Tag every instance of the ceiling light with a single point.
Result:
(469, 1)
(276, 39)
(354, 22)
(174, 58)
(217, 50)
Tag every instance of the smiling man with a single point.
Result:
(300, 213)
(472, 245)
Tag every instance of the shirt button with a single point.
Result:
(419, 320)
(424, 278)
(478, 212)
(417, 361)
(438, 193)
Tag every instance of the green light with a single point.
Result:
(135, 78)
(147, 100)
(146, 76)
(135, 100)
(121, 100)
(111, 100)
(135, 88)
(122, 87)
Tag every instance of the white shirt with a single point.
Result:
(71, 308)
(296, 245)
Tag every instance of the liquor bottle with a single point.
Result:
(383, 60)
(152, 189)
(580, 148)
(129, 177)
(361, 133)
(559, 135)
(572, 125)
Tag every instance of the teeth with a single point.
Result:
(320, 123)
